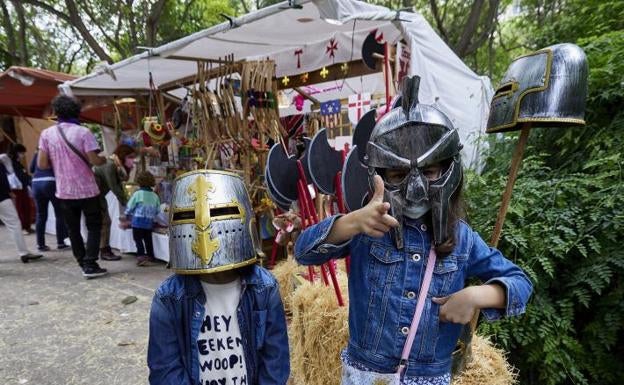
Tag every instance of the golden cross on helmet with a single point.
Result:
(203, 245)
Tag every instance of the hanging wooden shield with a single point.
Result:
(324, 162)
(354, 181)
(362, 132)
(282, 173)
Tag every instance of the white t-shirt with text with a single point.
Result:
(219, 343)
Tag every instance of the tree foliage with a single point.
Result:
(73, 35)
(566, 219)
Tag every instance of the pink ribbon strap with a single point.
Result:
(420, 305)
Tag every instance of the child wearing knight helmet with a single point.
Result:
(415, 210)
(220, 319)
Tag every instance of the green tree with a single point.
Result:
(59, 34)
(566, 219)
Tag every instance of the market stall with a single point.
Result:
(284, 108)
(221, 97)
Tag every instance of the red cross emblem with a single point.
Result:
(331, 47)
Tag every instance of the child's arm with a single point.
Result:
(131, 205)
(164, 358)
(461, 306)
(329, 239)
(505, 292)
(273, 358)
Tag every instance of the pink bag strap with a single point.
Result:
(420, 305)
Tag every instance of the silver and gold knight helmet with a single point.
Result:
(212, 224)
(412, 137)
(547, 87)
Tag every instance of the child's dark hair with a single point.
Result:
(145, 179)
(123, 151)
(456, 212)
(66, 107)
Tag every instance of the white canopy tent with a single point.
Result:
(296, 38)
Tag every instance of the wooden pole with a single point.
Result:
(511, 181)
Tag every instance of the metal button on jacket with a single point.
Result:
(423, 227)
(411, 295)
(405, 330)
(416, 257)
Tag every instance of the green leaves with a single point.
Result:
(564, 227)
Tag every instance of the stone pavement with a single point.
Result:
(56, 328)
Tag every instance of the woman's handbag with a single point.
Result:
(355, 376)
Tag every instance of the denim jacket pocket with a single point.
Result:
(443, 276)
(384, 267)
(382, 264)
(259, 326)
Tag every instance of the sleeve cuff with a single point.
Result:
(514, 306)
(321, 246)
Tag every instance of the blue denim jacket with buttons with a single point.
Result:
(176, 316)
(383, 290)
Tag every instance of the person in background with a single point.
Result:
(44, 188)
(17, 153)
(143, 207)
(8, 216)
(71, 149)
(110, 177)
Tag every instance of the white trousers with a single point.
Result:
(8, 216)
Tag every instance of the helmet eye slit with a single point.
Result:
(393, 177)
(224, 211)
(184, 215)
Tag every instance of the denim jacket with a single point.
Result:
(175, 320)
(383, 290)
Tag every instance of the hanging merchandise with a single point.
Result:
(153, 129)
(331, 117)
(359, 104)
(403, 64)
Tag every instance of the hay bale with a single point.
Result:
(319, 331)
(285, 272)
(488, 366)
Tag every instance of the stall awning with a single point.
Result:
(297, 39)
(27, 92)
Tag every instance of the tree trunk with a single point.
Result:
(22, 40)
(76, 21)
(10, 33)
(469, 28)
(152, 22)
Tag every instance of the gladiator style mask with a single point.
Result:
(547, 87)
(212, 224)
(412, 137)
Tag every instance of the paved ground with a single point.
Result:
(58, 328)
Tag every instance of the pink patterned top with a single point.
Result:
(74, 179)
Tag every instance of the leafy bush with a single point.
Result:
(565, 227)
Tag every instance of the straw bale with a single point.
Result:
(319, 331)
(285, 272)
(488, 366)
